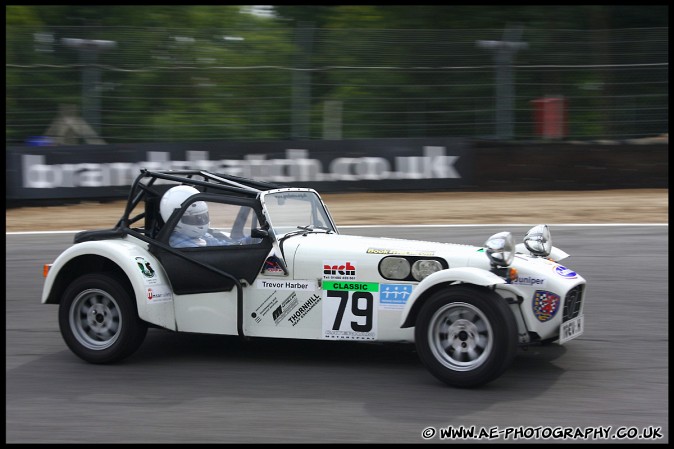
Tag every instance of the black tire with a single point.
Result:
(466, 336)
(98, 319)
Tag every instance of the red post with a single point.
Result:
(550, 117)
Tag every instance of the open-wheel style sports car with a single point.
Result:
(211, 253)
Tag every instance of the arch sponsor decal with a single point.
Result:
(339, 270)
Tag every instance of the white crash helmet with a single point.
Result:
(195, 221)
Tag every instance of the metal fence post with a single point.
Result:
(301, 90)
(504, 53)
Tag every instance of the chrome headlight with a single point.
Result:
(501, 249)
(422, 268)
(394, 267)
(538, 240)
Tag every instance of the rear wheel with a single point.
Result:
(466, 336)
(98, 319)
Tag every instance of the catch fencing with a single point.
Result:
(132, 85)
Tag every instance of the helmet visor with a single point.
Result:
(196, 220)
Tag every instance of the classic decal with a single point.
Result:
(339, 270)
(354, 286)
(286, 285)
(545, 305)
(402, 252)
(565, 272)
(394, 296)
(159, 293)
(349, 314)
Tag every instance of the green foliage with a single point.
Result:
(213, 72)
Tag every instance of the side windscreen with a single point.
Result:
(289, 211)
(207, 223)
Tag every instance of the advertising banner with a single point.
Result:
(107, 171)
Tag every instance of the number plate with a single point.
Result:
(571, 329)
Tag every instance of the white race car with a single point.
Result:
(217, 254)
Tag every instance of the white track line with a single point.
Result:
(501, 225)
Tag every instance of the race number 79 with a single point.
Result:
(362, 305)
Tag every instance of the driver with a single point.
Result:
(193, 228)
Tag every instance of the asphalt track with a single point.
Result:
(212, 389)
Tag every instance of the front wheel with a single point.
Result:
(466, 336)
(98, 319)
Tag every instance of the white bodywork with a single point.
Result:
(151, 286)
(300, 305)
(333, 289)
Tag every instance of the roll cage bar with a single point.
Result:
(211, 181)
(217, 182)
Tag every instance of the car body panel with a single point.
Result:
(150, 284)
(270, 298)
(543, 285)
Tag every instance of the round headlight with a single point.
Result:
(423, 268)
(394, 267)
(538, 240)
(501, 249)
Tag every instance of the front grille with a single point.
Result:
(573, 302)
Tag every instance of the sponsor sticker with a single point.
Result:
(339, 270)
(527, 280)
(262, 310)
(149, 273)
(286, 306)
(272, 266)
(394, 296)
(159, 293)
(545, 305)
(402, 252)
(565, 272)
(304, 309)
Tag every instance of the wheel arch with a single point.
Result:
(467, 276)
(79, 265)
(139, 271)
